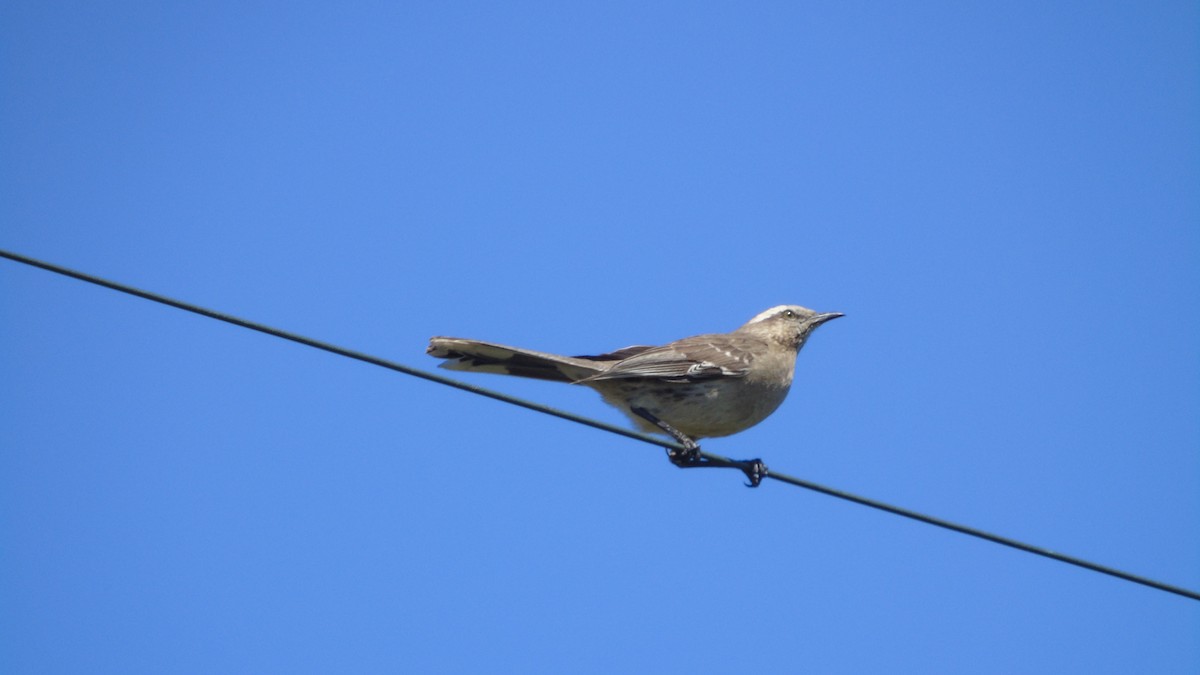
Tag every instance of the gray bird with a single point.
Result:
(698, 387)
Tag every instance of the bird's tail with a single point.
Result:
(488, 357)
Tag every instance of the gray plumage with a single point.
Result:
(703, 386)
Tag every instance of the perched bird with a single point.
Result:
(698, 387)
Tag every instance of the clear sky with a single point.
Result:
(1004, 199)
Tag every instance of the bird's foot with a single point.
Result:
(755, 471)
(691, 458)
(689, 455)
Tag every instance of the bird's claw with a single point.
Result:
(688, 456)
(755, 470)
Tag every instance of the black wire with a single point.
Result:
(791, 480)
(995, 538)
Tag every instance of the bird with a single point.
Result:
(704, 386)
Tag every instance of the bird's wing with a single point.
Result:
(691, 359)
(617, 355)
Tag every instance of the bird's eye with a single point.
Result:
(789, 314)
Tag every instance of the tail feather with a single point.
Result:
(489, 357)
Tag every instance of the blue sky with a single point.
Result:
(1002, 197)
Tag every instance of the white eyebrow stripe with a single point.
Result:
(763, 316)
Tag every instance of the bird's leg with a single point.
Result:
(690, 457)
(691, 451)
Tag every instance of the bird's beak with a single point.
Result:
(822, 318)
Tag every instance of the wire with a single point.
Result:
(646, 438)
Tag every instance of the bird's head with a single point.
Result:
(789, 325)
